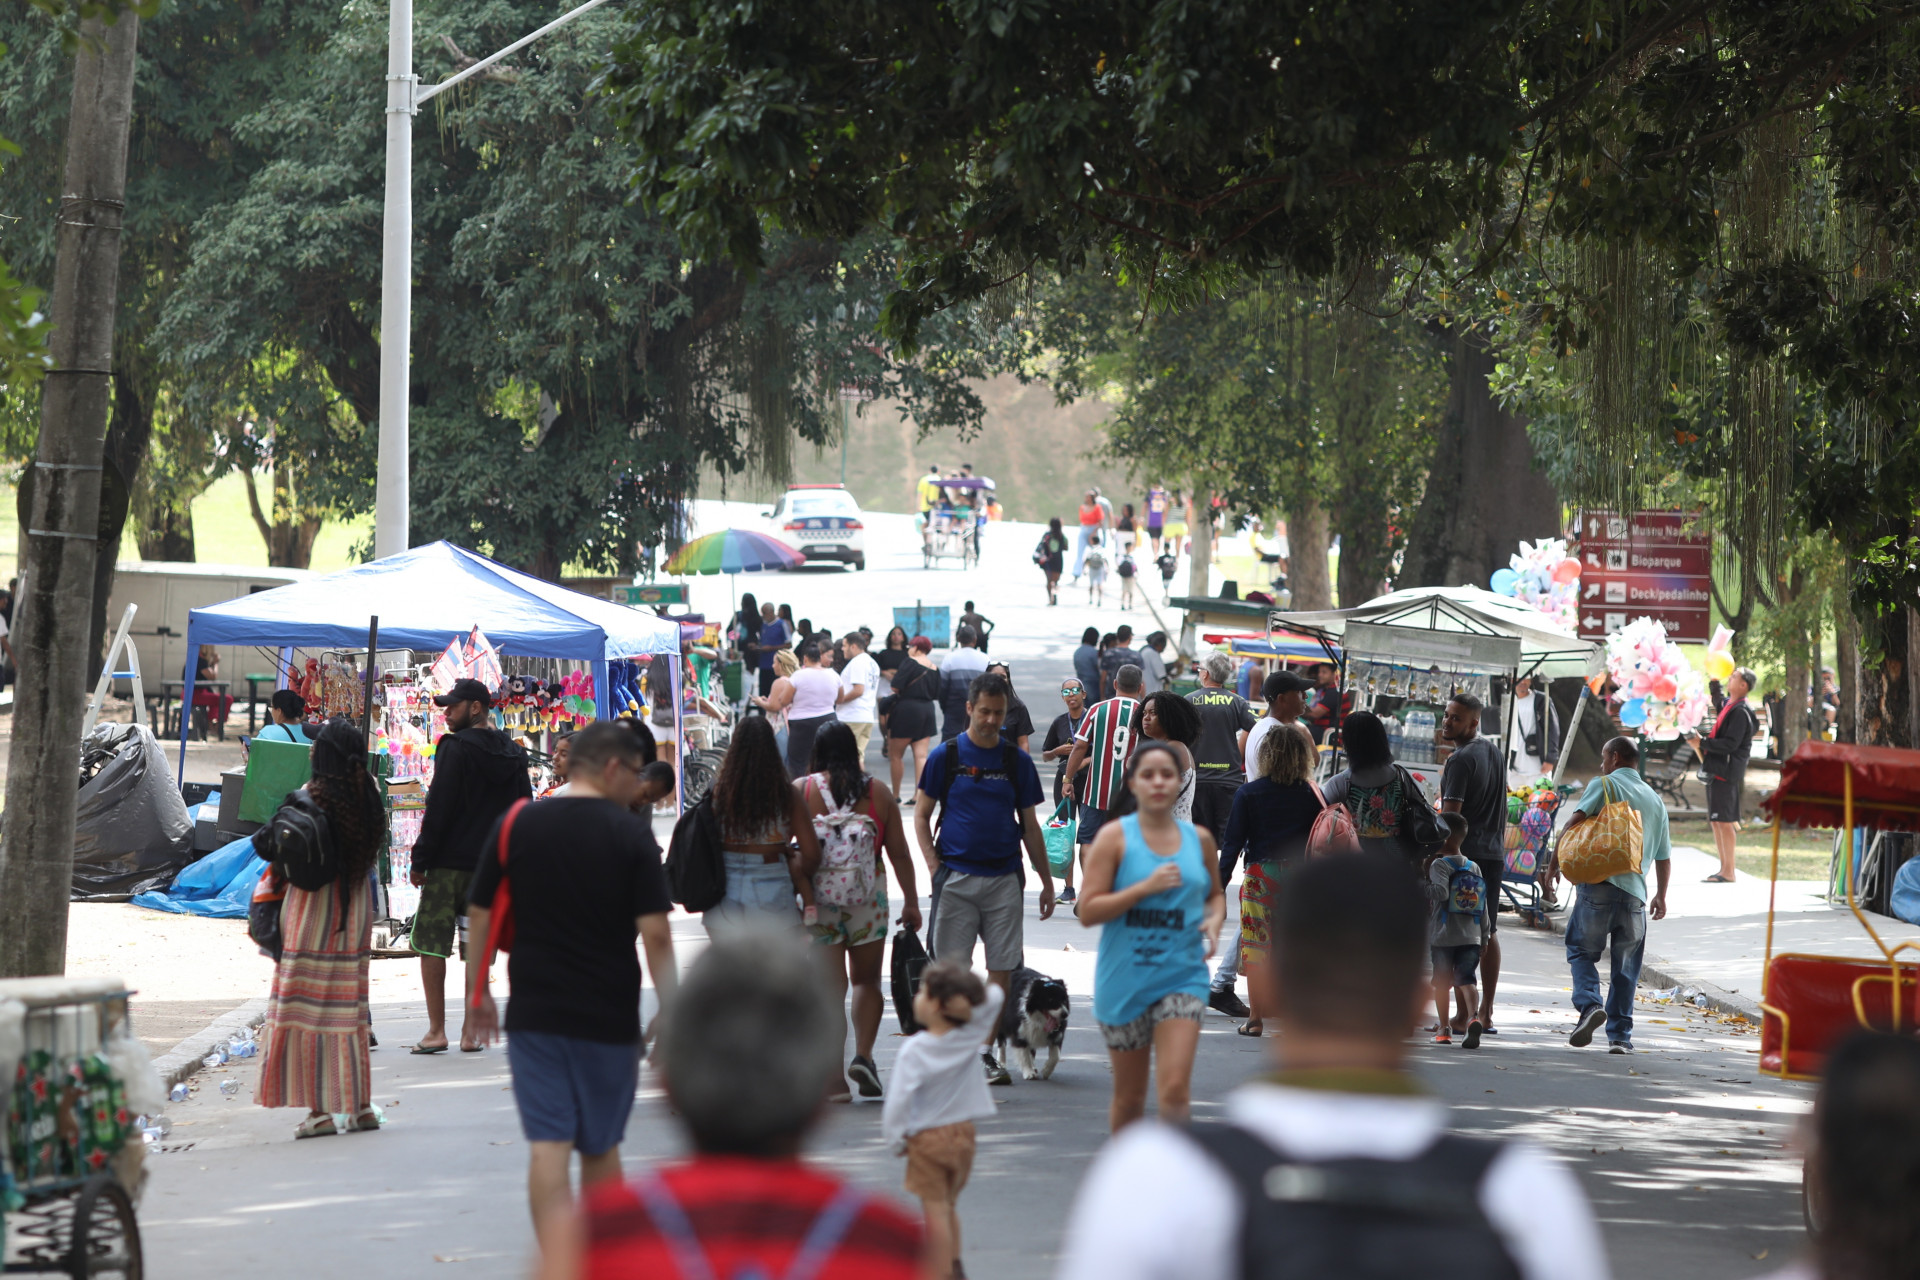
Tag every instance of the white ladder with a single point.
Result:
(108, 675)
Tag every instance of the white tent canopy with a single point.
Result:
(1545, 649)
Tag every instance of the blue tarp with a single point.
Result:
(219, 885)
(425, 599)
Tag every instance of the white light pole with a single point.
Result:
(404, 97)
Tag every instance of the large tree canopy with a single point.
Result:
(571, 370)
(1243, 134)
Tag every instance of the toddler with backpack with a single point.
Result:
(1455, 935)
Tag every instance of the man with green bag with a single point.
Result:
(1611, 912)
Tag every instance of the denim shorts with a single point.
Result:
(1462, 962)
(572, 1090)
(758, 892)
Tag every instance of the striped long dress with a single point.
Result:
(316, 1053)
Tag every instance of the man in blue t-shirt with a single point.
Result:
(1613, 914)
(987, 795)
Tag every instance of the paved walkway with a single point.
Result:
(1682, 1147)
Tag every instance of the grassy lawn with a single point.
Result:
(223, 532)
(1804, 855)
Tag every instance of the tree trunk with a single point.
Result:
(1363, 551)
(128, 434)
(288, 532)
(168, 535)
(50, 633)
(1884, 710)
(1846, 663)
(1199, 571)
(1308, 540)
(1483, 495)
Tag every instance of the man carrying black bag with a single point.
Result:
(1339, 1163)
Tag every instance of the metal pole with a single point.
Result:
(390, 520)
(373, 673)
(391, 534)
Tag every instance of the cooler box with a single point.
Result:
(273, 769)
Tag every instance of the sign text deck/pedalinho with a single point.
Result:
(1654, 564)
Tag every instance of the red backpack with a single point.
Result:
(1333, 831)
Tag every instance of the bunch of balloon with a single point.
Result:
(1545, 576)
(1660, 693)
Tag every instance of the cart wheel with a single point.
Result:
(1811, 1210)
(106, 1235)
(699, 779)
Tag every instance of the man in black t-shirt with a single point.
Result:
(582, 876)
(1219, 755)
(1473, 784)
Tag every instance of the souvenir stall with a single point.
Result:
(1407, 652)
(434, 614)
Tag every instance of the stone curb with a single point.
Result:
(1655, 972)
(184, 1058)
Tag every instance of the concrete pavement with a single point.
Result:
(1683, 1148)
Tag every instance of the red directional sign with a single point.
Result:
(1654, 564)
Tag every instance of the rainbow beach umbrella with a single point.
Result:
(733, 551)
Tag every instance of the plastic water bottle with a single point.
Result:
(229, 1087)
(179, 1092)
(1396, 738)
(218, 1058)
(242, 1045)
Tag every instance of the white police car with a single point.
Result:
(821, 522)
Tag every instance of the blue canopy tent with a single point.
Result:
(426, 598)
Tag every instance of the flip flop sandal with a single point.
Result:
(365, 1121)
(1255, 1034)
(316, 1127)
(479, 1048)
(421, 1048)
(1716, 878)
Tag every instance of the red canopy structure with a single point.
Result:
(1810, 1002)
(1818, 782)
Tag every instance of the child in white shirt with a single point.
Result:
(1096, 567)
(937, 1092)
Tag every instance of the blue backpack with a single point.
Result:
(1466, 892)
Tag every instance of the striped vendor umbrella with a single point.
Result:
(733, 551)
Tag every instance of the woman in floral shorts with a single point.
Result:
(857, 935)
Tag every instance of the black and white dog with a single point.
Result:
(1035, 1018)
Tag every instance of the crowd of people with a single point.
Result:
(1359, 905)
(1114, 544)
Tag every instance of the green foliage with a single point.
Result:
(996, 138)
(571, 370)
(1276, 397)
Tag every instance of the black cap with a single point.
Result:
(464, 691)
(1283, 682)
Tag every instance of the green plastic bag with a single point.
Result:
(1062, 831)
(273, 770)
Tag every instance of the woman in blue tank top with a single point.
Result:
(1153, 882)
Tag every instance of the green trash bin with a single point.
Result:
(730, 675)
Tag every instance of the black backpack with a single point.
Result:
(1360, 1218)
(696, 871)
(299, 840)
(1009, 764)
(910, 960)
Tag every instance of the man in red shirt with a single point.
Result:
(750, 1047)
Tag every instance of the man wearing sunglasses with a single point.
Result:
(1059, 745)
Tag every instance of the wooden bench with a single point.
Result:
(1668, 767)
